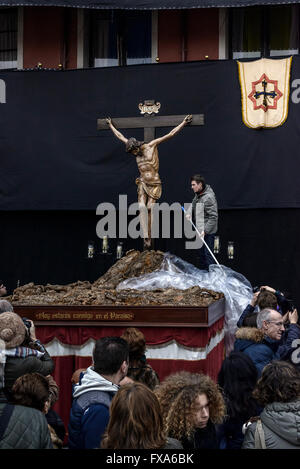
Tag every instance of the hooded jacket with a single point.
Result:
(90, 410)
(208, 199)
(261, 349)
(281, 423)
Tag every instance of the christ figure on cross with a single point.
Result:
(149, 183)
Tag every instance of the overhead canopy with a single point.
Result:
(145, 4)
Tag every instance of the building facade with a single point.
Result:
(70, 38)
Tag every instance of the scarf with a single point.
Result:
(17, 352)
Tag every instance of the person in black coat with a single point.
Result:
(264, 297)
(138, 369)
(271, 340)
(237, 379)
(21, 352)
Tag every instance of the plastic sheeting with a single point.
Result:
(177, 273)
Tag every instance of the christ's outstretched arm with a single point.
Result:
(115, 131)
(173, 132)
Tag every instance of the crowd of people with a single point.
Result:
(119, 402)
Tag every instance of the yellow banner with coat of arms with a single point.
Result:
(265, 88)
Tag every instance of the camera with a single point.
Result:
(291, 306)
(27, 323)
(256, 289)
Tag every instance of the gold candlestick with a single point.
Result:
(216, 245)
(119, 251)
(105, 244)
(230, 250)
(91, 250)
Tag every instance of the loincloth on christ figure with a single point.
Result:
(152, 189)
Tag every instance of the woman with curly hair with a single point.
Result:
(136, 421)
(278, 391)
(191, 404)
(139, 370)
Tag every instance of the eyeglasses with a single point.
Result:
(278, 324)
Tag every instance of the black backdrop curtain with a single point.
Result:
(54, 158)
(56, 167)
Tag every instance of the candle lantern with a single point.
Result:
(119, 250)
(105, 244)
(216, 245)
(91, 250)
(230, 250)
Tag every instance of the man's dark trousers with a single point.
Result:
(205, 258)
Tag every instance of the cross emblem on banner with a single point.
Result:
(267, 90)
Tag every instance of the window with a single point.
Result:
(8, 38)
(119, 37)
(264, 31)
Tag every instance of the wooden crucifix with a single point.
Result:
(146, 153)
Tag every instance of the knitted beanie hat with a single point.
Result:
(12, 329)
